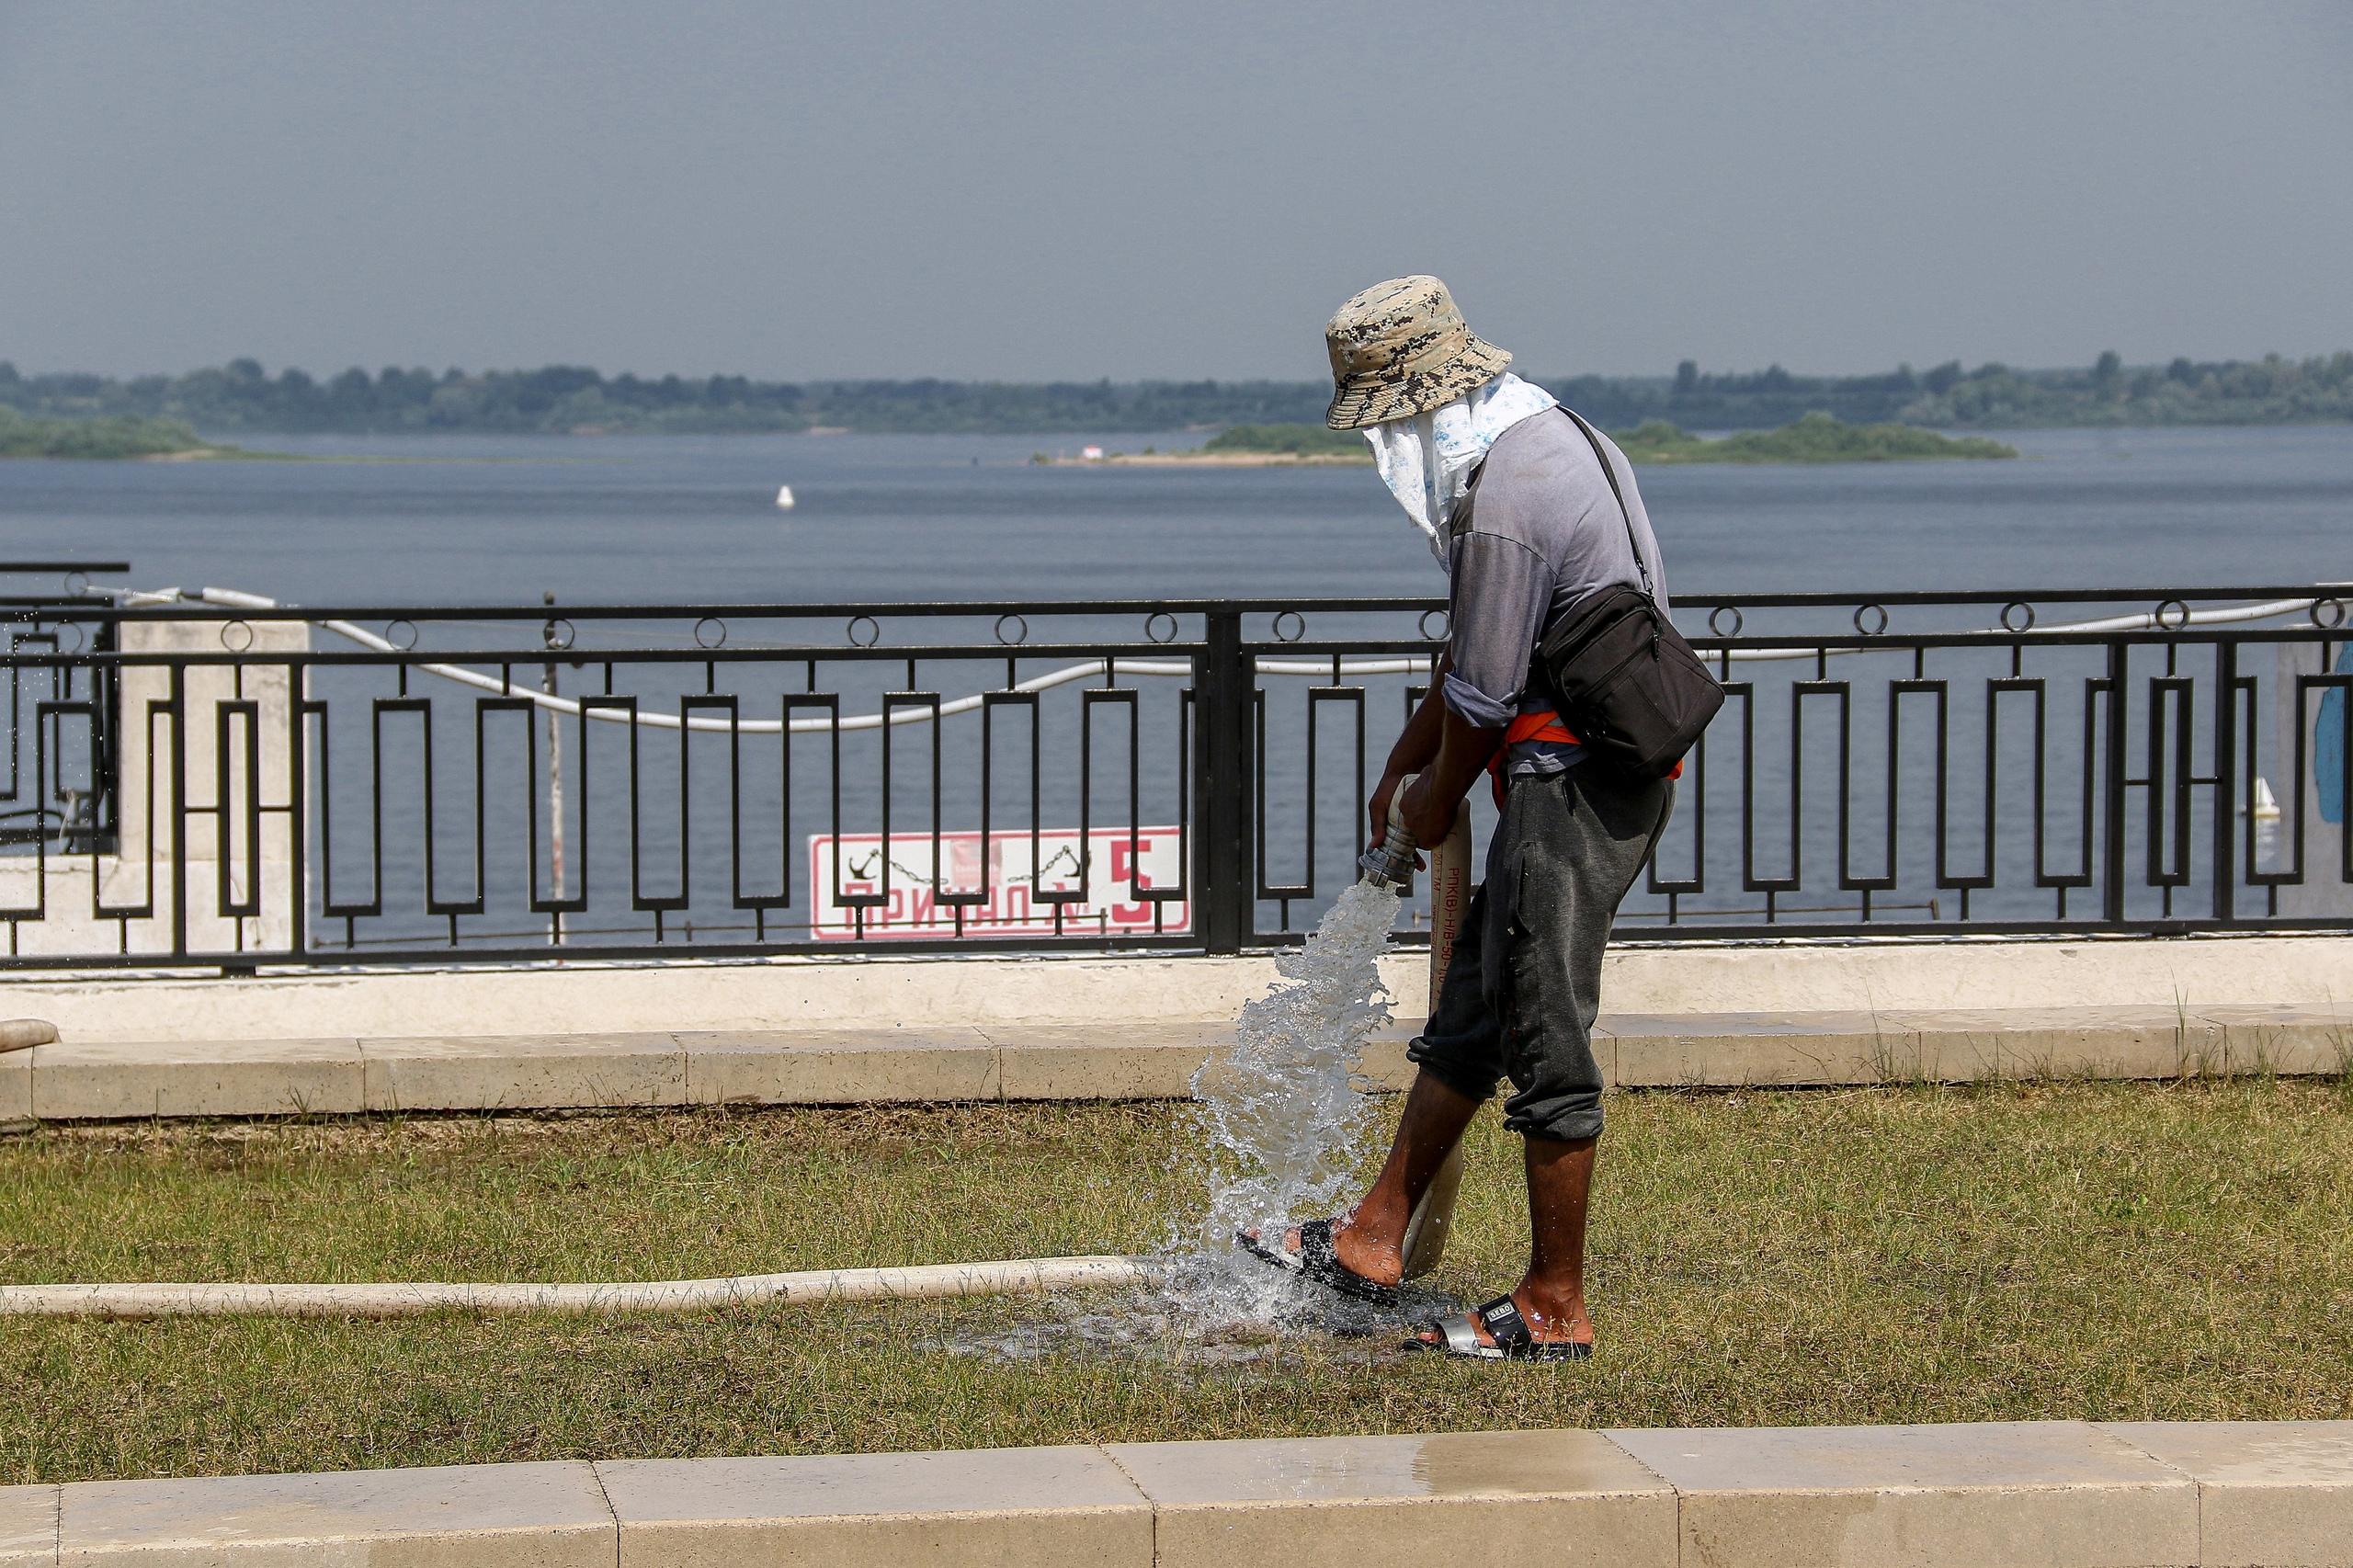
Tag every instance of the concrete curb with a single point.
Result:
(1150, 1059)
(1075, 989)
(2032, 1494)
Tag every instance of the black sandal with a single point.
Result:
(1315, 1260)
(1459, 1336)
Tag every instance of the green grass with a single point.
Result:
(1816, 439)
(2124, 1251)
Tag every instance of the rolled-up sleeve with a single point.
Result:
(1500, 592)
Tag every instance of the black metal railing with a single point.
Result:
(59, 803)
(232, 783)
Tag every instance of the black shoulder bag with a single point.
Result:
(1629, 687)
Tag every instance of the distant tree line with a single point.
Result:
(1816, 439)
(2271, 391)
(241, 397)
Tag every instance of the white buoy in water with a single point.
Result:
(784, 498)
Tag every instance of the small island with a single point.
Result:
(106, 438)
(1816, 439)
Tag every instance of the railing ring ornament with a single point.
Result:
(873, 632)
(76, 645)
(559, 635)
(1445, 624)
(1862, 611)
(1299, 626)
(77, 583)
(2022, 607)
(1021, 628)
(1153, 620)
(718, 629)
(2171, 616)
(236, 636)
(2335, 613)
(392, 630)
(1716, 623)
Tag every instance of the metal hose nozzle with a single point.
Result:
(1391, 865)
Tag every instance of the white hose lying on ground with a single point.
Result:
(1028, 1275)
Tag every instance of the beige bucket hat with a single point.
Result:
(1402, 348)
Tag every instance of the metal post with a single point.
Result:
(2112, 786)
(298, 819)
(177, 724)
(2226, 787)
(1224, 682)
(555, 765)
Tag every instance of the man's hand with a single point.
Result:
(1377, 811)
(1429, 814)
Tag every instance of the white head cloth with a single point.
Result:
(1427, 459)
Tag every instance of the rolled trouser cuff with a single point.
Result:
(1561, 1119)
(1456, 1074)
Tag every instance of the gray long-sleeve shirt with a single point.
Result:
(1538, 533)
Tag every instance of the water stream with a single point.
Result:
(1283, 1122)
(1282, 1113)
(1281, 1103)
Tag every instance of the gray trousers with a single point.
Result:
(1525, 983)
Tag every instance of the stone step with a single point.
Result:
(2011, 1495)
(1135, 1058)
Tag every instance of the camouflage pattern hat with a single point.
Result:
(1402, 348)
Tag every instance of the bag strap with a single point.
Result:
(1601, 455)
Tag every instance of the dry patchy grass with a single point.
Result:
(2106, 1251)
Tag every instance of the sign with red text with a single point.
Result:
(1115, 864)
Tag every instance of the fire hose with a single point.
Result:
(1028, 1275)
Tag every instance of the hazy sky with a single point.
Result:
(1044, 190)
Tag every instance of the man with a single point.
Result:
(1511, 491)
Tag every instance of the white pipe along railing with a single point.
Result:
(234, 598)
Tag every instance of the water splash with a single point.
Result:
(1283, 1122)
(1282, 1109)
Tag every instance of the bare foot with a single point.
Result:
(1359, 1252)
(1566, 1323)
(1380, 1259)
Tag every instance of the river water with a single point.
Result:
(912, 517)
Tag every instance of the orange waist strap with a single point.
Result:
(1543, 726)
(1539, 726)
